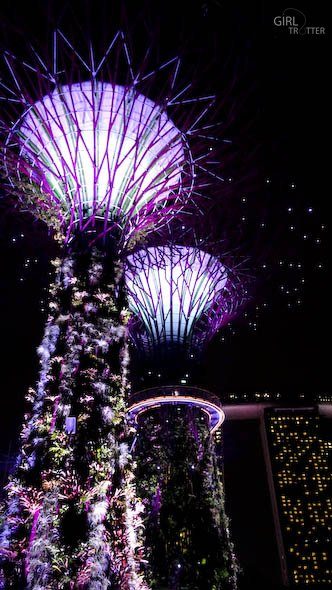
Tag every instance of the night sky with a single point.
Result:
(278, 212)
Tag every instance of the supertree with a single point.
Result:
(180, 296)
(102, 165)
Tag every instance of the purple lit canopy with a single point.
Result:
(102, 151)
(84, 152)
(179, 295)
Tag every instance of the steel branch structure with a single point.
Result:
(99, 151)
(88, 152)
(102, 164)
(85, 152)
(179, 296)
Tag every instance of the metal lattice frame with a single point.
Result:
(101, 151)
(92, 154)
(179, 295)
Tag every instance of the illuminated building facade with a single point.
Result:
(299, 459)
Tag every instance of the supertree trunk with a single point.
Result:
(186, 527)
(73, 519)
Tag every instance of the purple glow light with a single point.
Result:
(101, 151)
(179, 294)
(149, 399)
